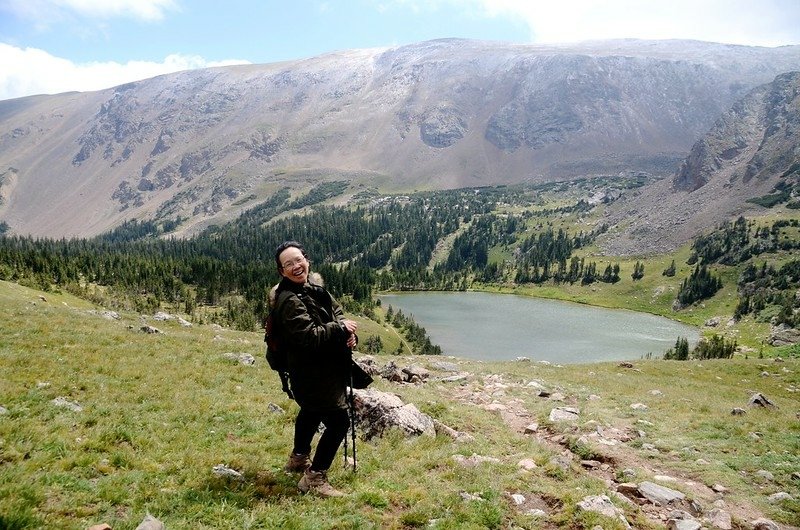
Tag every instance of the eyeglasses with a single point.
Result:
(292, 263)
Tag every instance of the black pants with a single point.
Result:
(336, 423)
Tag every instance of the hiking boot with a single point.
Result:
(317, 483)
(297, 463)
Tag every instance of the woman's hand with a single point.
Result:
(351, 326)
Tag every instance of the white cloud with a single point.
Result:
(32, 71)
(764, 23)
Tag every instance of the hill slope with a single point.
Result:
(752, 151)
(205, 145)
(103, 423)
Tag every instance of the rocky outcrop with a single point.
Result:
(750, 153)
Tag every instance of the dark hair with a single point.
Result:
(283, 246)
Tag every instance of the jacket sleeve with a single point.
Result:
(303, 333)
(338, 313)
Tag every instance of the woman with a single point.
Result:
(318, 340)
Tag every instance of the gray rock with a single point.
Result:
(242, 358)
(275, 409)
(720, 519)
(443, 366)
(416, 371)
(780, 497)
(683, 524)
(784, 336)
(64, 403)
(602, 504)
(531, 428)
(764, 524)
(150, 523)
(564, 414)
(659, 494)
(759, 399)
(763, 474)
(475, 460)
(3, 410)
(377, 411)
(223, 471)
(454, 378)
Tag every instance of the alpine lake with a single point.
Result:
(495, 327)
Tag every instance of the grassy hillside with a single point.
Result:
(159, 411)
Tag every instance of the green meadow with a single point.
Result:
(145, 418)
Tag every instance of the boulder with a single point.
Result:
(376, 412)
(784, 336)
(659, 494)
(760, 400)
(564, 414)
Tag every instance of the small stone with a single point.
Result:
(719, 488)
(764, 524)
(150, 523)
(536, 513)
(224, 471)
(531, 428)
(63, 402)
(639, 406)
(275, 409)
(719, 519)
(527, 464)
(780, 497)
(564, 414)
(764, 475)
(102, 526)
(518, 499)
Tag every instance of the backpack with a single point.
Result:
(276, 356)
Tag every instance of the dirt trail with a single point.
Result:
(613, 456)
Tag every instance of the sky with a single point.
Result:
(53, 46)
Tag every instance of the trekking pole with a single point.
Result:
(353, 423)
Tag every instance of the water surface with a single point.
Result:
(489, 326)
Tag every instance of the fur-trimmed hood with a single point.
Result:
(314, 278)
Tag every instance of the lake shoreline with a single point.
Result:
(488, 326)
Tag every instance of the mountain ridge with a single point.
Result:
(205, 145)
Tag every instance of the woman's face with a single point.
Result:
(294, 265)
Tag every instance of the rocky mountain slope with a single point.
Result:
(752, 151)
(205, 145)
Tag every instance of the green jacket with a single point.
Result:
(316, 345)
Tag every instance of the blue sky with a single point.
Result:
(50, 46)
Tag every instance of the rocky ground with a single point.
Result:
(661, 491)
